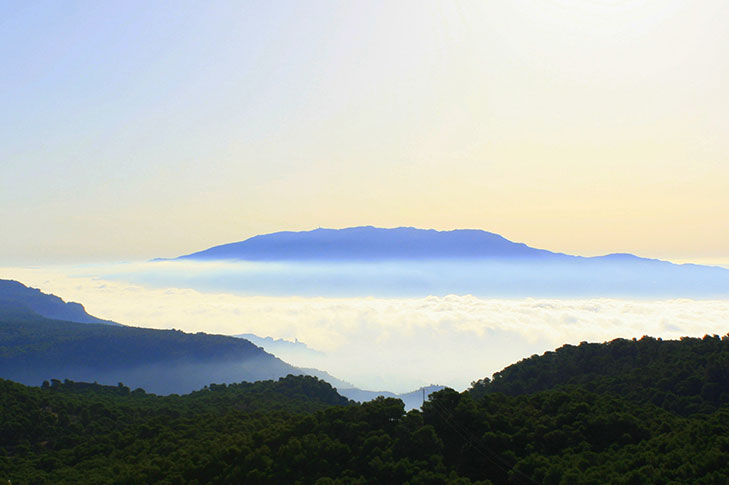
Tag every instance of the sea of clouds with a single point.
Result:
(394, 343)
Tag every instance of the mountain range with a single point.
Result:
(406, 261)
(367, 243)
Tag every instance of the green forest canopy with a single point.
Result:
(627, 411)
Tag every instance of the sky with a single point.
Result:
(132, 130)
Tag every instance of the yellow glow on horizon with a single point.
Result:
(582, 126)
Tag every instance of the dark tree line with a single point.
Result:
(645, 411)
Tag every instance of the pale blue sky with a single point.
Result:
(141, 129)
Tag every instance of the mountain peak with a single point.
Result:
(369, 243)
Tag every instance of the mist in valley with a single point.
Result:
(392, 336)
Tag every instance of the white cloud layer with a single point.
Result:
(392, 344)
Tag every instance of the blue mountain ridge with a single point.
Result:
(365, 243)
(413, 262)
(16, 294)
(372, 243)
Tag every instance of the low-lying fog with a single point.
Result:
(385, 327)
(616, 276)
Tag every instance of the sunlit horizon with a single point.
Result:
(137, 131)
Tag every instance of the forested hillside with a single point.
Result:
(34, 348)
(67, 432)
(298, 430)
(685, 377)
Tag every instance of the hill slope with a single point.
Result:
(34, 348)
(685, 377)
(264, 432)
(17, 295)
(69, 432)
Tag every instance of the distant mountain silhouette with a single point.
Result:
(412, 400)
(280, 346)
(416, 262)
(368, 243)
(286, 349)
(372, 243)
(17, 295)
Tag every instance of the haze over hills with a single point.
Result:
(43, 337)
(16, 294)
(411, 400)
(280, 346)
(34, 348)
(412, 262)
